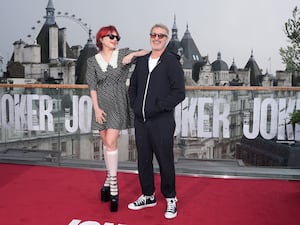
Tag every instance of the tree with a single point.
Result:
(291, 54)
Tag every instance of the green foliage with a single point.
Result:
(295, 117)
(291, 54)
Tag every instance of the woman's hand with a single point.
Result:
(127, 59)
(100, 116)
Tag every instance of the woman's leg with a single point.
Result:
(111, 140)
(105, 190)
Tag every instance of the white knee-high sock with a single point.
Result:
(112, 162)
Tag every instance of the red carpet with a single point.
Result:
(37, 195)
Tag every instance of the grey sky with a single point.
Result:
(233, 27)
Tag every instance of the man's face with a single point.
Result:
(158, 39)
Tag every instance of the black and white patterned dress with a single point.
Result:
(109, 81)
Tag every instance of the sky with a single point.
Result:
(235, 28)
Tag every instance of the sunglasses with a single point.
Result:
(160, 36)
(112, 37)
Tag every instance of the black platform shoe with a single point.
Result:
(114, 194)
(114, 203)
(105, 193)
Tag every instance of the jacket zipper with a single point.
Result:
(145, 96)
(146, 92)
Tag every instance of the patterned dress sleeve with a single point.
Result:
(91, 77)
(126, 51)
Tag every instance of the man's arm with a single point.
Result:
(177, 87)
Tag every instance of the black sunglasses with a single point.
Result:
(112, 37)
(160, 36)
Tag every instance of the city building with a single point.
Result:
(50, 59)
(200, 72)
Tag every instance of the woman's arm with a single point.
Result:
(128, 58)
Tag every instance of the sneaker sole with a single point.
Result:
(169, 216)
(141, 207)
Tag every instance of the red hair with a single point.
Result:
(104, 31)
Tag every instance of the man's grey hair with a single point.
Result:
(162, 26)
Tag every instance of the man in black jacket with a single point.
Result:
(156, 87)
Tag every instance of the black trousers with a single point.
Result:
(156, 137)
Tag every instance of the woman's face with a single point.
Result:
(110, 40)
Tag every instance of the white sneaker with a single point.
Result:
(171, 211)
(143, 202)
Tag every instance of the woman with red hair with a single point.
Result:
(106, 76)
